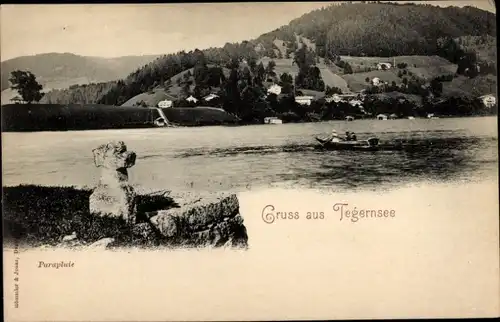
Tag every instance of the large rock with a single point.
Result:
(201, 220)
(113, 196)
(163, 218)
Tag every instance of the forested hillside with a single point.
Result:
(382, 29)
(78, 94)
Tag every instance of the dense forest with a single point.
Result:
(78, 94)
(463, 36)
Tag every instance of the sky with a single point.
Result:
(112, 30)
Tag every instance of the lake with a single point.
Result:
(437, 257)
(263, 156)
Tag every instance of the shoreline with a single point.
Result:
(230, 125)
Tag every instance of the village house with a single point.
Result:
(191, 99)
(165, 104)
(333, 98)
(274, 89)
(383, 66)
(356, 103)
(488, 100)
(304, 100)
(382, 117)
(210, 97)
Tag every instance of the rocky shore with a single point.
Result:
(48, 217)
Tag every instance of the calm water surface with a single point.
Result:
(240, 158)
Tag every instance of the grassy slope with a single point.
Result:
(334, 80)
(150, 98)
(427, 67)
(329, 77)
(357, 81)
(281, 46)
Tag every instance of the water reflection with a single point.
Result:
(431, 159)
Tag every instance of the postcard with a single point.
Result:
(250, 161)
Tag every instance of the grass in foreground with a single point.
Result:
(35, 215)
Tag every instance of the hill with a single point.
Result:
(360, 34)
(386, 29)
(58, 71)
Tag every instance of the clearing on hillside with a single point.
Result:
(366, 64)
(282, 65)
(357, 81)
(333, 80)
(151, 99)
(281, 46)
(329, 77)
(428, 73)
(309, 43)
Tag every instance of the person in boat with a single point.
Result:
(335, 137)
(353, 137)
(347, 136)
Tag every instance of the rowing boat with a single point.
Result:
(371, 144)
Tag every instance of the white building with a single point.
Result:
(304, 100)
(191, 99)
(334, 98)
(488, 100)
(210, 97)
(356, 103)
(381, 66)
(272, 120)
(376, 81)
(165, 104)
(274, 89)
(382, 117)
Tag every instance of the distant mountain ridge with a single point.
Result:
(59, 70)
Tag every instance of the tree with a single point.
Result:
(261, 71)
(270, 68)
(367, 79)
(347, 69)
(24, 82)
(436, 87)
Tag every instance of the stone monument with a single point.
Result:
(113, 196)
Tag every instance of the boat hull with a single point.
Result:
(356, 145)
